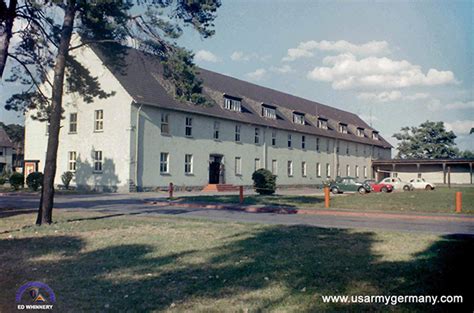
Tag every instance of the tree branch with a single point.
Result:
(92, 41)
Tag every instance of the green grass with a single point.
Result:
(440, 200)
(100, 263)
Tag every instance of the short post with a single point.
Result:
(449, 176)
(458, 201)
(326, 197)
(241, 194)
(170, 190)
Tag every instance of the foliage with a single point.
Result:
(66, 177)
(17, 180)
(430, 140)
(34, 180)
(2, 181)
(466, 154)
(264, 181)
(15, 132)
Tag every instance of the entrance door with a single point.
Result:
(214, 169)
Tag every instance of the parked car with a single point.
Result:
(345, 184)
(397, 183)
(421, 183)
(379, 186)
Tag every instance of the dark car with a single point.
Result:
(379, 186)
(348, 184)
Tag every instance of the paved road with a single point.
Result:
(135, 204)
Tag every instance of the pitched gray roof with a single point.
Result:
(5, 141)
(142, 77)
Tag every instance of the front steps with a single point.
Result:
(220, 188)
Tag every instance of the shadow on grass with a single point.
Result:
(276, 200)
(323, 261)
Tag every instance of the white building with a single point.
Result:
(142, 138)
(6, 151)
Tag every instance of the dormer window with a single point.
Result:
(298, 118)
(232, 104)
(322, 123)
(269, 112)
(343, 128)
(375, 135)
(360, 132)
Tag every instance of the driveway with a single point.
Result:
(136, 203)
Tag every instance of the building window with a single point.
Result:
(365, 171)
(274, 138)
(99, 120)
(322, 123)
(73, 123)
(257, 135)
(98, 161)
(337, 147)
(327, 145)
(317, 144)
(165, 126)
(232, 104)
(357, 171)
(343, 128)
(289, 140)
(375, 135)
(338, 170)
(290, 168)
(348, 170)
(274, 167)
(356, 148)
(238, 166)
(328, 170)
(347, 149)
(188, 130)
(237, 133)
(188, 163)
(257, 164)
(318, 169)
(303, 169)
(365, 150)
(298, 118)
(216, 130)
(269, 112)
(164, 162)
(360, 132)
(303, 142)
(72, 161)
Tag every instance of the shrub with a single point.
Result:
(16, 180)
(264, 182)
(2, 181)
(66, 177)
(34, 180)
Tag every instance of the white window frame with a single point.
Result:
(188, 126)
(365, 171)
(238, 129)
(318, 169)
(360, 132)
(317, 144)
(275, 167)
(98, 161)
(289, 141)
(258, 164)
(357, 171)
(298, 118)
(165, 123)
(328, 170)
(238, 166)
(338, 170)
(99, 120)
(188, 164)
(164, 163)
(257, 136)
(72, 161)
(269, 112)
(322, 123)
(304, 172)
(348, 170)
(347, 149)
(232, 104)
(73, 123)
(375, 135)
(343, 128)
(274, 137)
(289, 168)
(303, 142)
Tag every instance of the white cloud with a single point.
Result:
(282, 69)
(305, 49)
(388, 96)
(436, 105)
(206, 56)
(347, 72)
(258, 74)
(368, 118)
(460, 126)
(242, 56)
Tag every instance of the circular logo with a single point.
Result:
(35, 295)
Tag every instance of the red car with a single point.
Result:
(379, 187)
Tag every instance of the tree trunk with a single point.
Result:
(47, 193)
(6, 35)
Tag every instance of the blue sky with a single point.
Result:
(395, 63)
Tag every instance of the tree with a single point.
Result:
(45, 64)
(430, 140)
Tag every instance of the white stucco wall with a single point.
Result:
(113, 141)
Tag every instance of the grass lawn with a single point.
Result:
(440, 200)
(100, 263)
